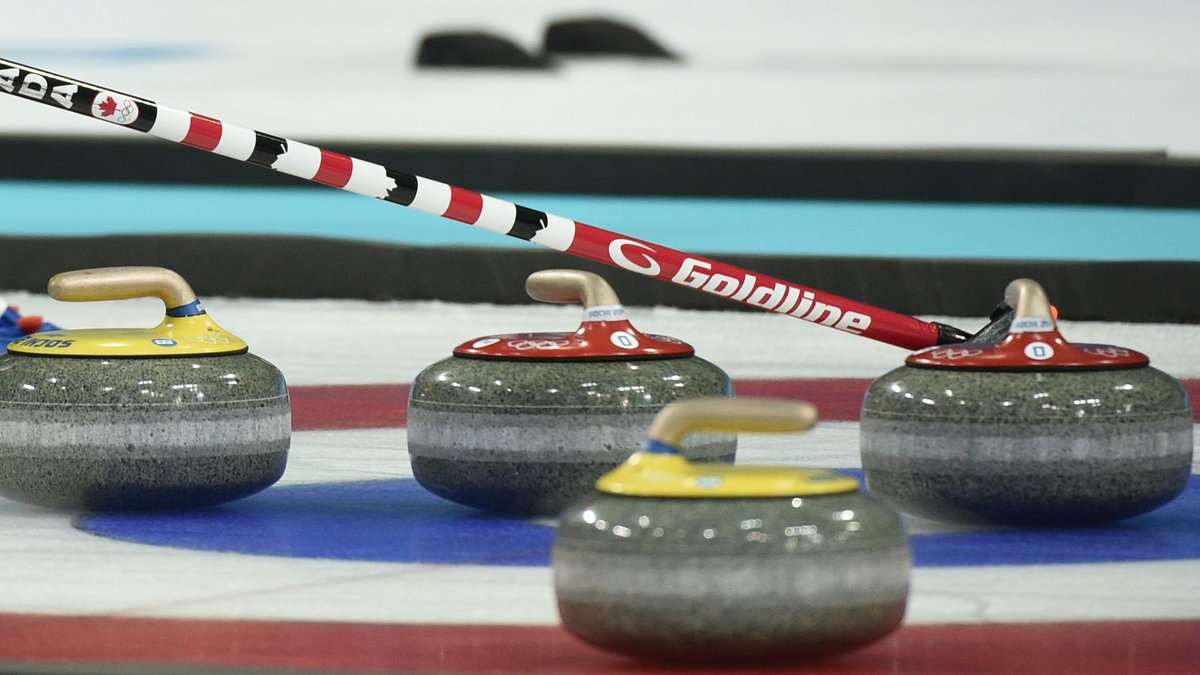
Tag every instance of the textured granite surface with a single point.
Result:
(527, 437)
(1027, 448)
(731, 579)
(140, 433)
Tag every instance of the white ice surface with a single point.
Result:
(1001, 74)
(49, 567)
(774, 74)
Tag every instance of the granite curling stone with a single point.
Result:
(680, 561)
(172, 417)
(1029, 431)
(524, 423)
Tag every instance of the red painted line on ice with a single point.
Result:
(1094, 648)
(836, 400)
(350, 406)
(376, 406)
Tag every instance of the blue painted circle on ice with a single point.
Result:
(398, 521)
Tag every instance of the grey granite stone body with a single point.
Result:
(1025, 447)
(140, 433)
(731, 579)
(527, 437)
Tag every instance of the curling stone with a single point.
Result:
(524, 423)
(1032, 430)
(170, 417)
(675, 560)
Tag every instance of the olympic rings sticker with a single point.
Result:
(115, 108)
(525, 345)
(1107, 351)
(208, 339)
(952, 353)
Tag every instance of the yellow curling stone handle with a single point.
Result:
(185, 330)
(660, 471)
(599, 300)
(121, 283)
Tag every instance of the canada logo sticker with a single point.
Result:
(115, 108)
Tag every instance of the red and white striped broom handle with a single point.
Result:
(479, 210)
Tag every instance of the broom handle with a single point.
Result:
(479, 210)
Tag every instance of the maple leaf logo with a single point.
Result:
(107, 107)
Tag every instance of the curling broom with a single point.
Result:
(478, 210)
